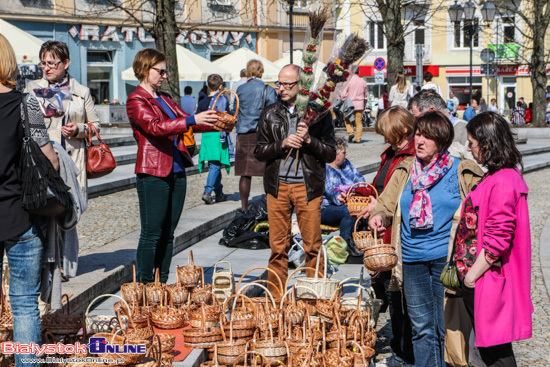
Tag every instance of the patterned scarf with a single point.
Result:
(421, 213)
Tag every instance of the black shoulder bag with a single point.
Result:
(43, 191)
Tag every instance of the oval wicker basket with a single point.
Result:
(155, 291)
(203, 315)
(226, 122)
(230, 349)
(380, 256)
(132, 292)
(355, 203)
(324, 287)
(203, 337)
(168, 317)
(362, 239)
(189, 274)
(61, 322)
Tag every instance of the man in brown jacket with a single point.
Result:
(289, 187)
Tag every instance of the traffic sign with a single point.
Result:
(487, 55)
(379, 64)
(488, 69)
(379, 77)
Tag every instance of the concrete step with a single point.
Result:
(535, 162)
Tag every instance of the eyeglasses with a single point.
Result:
(286, 86)
(51, 65)
(161, 71)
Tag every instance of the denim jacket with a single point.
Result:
(250, 104)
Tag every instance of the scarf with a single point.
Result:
(422, 179)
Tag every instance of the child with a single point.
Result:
(528, 114)
(214, 146)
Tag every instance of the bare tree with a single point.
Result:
(534, 20)
(397, 25)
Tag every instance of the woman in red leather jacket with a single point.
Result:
(158, 124)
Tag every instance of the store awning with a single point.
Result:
(25, 45)
(297, 58)
(191, 67)
(236, 61)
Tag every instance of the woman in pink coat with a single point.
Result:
(493, 244)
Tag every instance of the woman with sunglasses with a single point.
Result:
(70, 129)
(158, 124)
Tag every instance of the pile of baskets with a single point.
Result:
(377, 256)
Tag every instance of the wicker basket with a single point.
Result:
(203, 337)
(178, 293)
(226, 122)
(202, 293)
(380, 256)
(104, 323)
(6, 316)
(260, 268)
(167, 342)
(362, 239)
(332, 307)
(168, 317)
(223, 279)
(362, 355)
(243, 317)
(61, 322)
(140, 314)
(275, 351)
(291, 312)
(189, 274)
(214, 361)
(323, 287)
(154, 292)
(203, 315)
(359, 305)
(132, 292)
(356, 204)
(153, 358)
(230, 349)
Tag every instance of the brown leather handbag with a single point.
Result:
(226, 122)
(99, 160)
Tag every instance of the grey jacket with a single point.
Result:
(250, 104)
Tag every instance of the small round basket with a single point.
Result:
(379, 256)
(362, 239)
(61, 322)
(356, 204)
(132, 292)
(189, 274)
(168, 317)
(226, 122)
(155, 291)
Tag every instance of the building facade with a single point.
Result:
(446, 50)
(103, 37)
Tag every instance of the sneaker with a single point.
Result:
(221, 198)
(207, 198)
(350, 138)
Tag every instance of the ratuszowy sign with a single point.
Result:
(90, 32)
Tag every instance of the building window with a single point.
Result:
(462, 34)
(460, 86)
(509, 29)
(376, 35)
(419, 32)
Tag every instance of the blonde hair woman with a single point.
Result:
(18, 234)
(400, 92)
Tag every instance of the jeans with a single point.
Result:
(424, 293)
(24, 254)
(497, 355)
(338, 215)
(160, 205)
(214, 179)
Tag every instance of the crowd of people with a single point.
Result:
(449, 192)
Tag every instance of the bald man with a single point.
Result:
(288, 188)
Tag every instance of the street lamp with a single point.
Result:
(291, 8)
(456, 11)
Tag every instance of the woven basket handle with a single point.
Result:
(236, 99)
(263, 287)
(270, 283)
(296, 287)
(245, 355)
(91, 128)
(324, 251)
(220, 262)
(134, 272)
(157, 276)
(190, 259)
(362, 183)
(104, 296)
(68, 310)
(260, 267)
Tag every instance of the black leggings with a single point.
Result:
(498, 355)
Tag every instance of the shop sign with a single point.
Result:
(505, 50)
(90, 32)
(502, 70)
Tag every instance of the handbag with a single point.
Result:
(43, 191)
(449, 275)
(99, 159)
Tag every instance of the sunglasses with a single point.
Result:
(161, 71)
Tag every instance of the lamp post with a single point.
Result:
(291, 8)
(456, 11)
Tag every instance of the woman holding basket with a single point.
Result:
(493, 244)
(158, 124)
(420, 201)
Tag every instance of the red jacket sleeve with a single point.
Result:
(142, 113)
